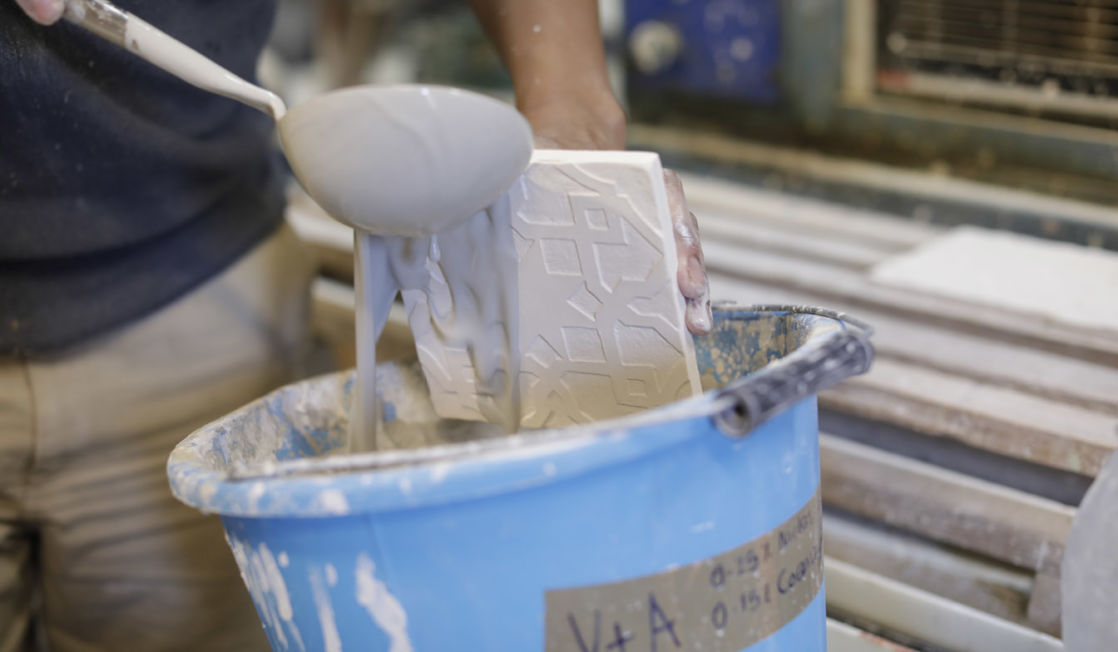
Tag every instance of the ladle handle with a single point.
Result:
(133, 34)
(99, 17)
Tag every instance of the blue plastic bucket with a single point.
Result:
(694, 526)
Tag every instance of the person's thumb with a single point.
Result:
(44, 12)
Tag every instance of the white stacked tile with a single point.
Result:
(601, 321)
(1060, 282)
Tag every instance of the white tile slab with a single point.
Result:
(601, 329)
(1060, 282)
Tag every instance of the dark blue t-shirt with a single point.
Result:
(122, 187)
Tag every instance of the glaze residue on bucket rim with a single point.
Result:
(208, 470)
(404, 479)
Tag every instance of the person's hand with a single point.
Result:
(44, 12)
(566, 124)
(692, 274)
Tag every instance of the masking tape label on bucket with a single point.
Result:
(727, 602)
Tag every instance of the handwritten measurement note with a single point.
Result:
(724, 603)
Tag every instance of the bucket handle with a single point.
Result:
(752, 400)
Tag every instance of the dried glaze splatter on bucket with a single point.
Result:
(278, 521)
(309, 421)
(738, 344)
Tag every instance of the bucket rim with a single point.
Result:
(394, 480)
(429, 476)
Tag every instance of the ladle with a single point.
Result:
(403, 160)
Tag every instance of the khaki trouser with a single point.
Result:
(95, 553)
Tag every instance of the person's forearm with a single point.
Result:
(554, 52)
(549, 47)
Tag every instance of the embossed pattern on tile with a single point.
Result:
(601, 330)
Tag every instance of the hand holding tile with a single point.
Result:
(692, 273)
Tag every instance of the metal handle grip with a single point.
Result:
(754, 399)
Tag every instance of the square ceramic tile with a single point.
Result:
(601, 321)
(1062, 283)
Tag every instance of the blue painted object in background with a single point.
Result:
(730, 48)
(467, 546)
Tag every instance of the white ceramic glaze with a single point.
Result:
(399, 164)
(595, 326)
(405, 160)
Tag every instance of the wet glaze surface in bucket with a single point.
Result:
(695, 526)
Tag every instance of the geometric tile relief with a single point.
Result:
(602, 329)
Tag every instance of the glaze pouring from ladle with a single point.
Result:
(402, 161)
